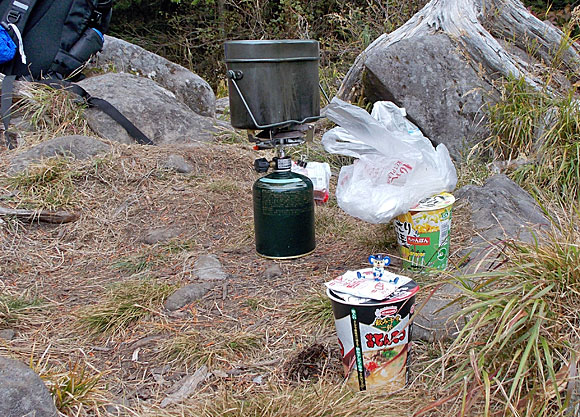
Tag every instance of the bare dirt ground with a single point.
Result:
(267, 341)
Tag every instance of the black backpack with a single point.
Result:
(53, 40)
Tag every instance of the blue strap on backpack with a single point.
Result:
(7, 46)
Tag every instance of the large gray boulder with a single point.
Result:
(22, 392)
(441, 92)
(150, 107)
(441, 64)
(501, 209)
(74, 146)
(188, 87)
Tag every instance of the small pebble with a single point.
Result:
(7, 334)
(273, 271)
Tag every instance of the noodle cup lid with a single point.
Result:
(402, 293)
(436, 202)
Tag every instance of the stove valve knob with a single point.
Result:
(261, 165)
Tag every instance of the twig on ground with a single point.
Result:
(47, 216)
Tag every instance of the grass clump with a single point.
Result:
(14, 308)
(196, 348)
(54, 112)
(515, 118)
(231, 137)
(127, 303)
(517, 351)
(75, 390)
(180, 245)
(133, 265)
(48, 185)
(540, 129)
(539, 125)
(223, 185)
(315, 310)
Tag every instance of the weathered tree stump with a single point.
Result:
(441, 64)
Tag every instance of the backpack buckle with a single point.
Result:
(96, 17)
(13, 16)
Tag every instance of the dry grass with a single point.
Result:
(249, 331)
(76, 389)
(126, 304)
(314, 309)
(50, 113)
(15, 308)
(46, 185)
(320, 399)
(195, 348)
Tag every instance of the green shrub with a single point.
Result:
(192, 32)
(543, 128)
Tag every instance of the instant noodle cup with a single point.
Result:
(375, 337)
(423, 233)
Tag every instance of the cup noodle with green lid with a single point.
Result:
(423, 233)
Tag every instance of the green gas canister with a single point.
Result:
(284, 213)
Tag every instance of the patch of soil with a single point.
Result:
(308, 363)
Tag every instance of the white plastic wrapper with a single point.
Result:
(319, 173)
(397, 165)
(366, 287)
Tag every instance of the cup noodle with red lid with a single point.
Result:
(375, 337)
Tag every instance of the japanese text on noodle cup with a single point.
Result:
(375, 337)
(423, 233)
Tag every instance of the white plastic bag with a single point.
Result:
(397, 165)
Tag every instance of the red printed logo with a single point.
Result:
(418, 241)
(381, 339)
(398, 171)
(386, 312)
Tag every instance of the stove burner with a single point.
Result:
(287, 136)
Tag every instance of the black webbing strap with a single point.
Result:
(117, 116)
(17, 14)
(102, 105)
(6, 108)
